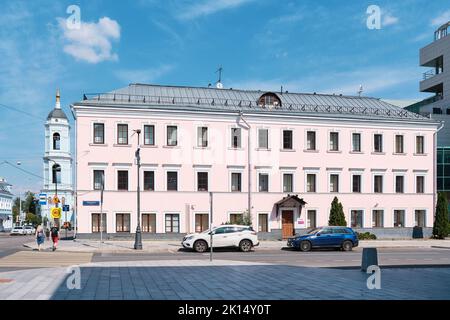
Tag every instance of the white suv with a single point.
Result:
(242, 237)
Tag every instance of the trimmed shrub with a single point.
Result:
(366, 236)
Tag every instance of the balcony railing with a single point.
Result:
(429, 74)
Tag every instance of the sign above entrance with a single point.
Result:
(91, 203)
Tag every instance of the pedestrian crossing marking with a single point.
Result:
(36, 259)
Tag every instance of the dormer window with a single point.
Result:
(269, 99)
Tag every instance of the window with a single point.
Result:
(202, 137)
(399, 144)
(122, 134)
(56, 141)
(149, 222)
(263, 222)
(123, 222)
(122, 180)
(312, 219)
(437, 111)
(356, 183)
(149, 180)
(334, 183)
(56, 173)
(311, 182)
(377, 143)
(149, 135)
(99, 133)
(356, 142)
(172, 181)
(377, 218)
(96, 220)
(288, 179)
(310, 140)
(99, 176)
(287, 140)
(378, 184)
(399, 184)
(263, 138)
(172, 136)
(202, 181)
(236, 181)
(420, 184)
(420, 145)
(420, 218)
(201, 222)
(235, 137)
(263, 182)
(399, 218)
(334, 141)
(236, 218)
(269, 99)
(356, 217)
(172, 223)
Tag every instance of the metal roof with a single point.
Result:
(56, 113)
(203, 99)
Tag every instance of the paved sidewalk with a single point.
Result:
(174, 246)
(230, 280)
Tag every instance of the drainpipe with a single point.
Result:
(435, 173)
(248, 128)
(74, 184)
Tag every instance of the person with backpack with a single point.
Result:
(54, 232)
(40, 237)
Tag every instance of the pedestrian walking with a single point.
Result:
(40, 236)
(54, 232)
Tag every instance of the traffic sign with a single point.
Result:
(43, 199)
(56, 213)
(55, 200)
(66, 207)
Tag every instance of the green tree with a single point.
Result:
(440, 227)
(33, 219)
(337, 217)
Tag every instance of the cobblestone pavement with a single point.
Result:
(231, 280)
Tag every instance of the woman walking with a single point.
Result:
(54, 232)
(40, 236)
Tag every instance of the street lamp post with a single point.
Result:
(138, 237)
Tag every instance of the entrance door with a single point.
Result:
(287, 223)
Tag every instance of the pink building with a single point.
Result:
(304, 149)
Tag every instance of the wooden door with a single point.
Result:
(287, 223)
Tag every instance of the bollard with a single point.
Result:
(369, 258)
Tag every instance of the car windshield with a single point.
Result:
(313, 231)
(17, 227)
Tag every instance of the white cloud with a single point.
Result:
(388, 20)
(441, 19)
(207, 7)
(92, 42)
(143, 75)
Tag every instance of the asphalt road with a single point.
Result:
(11, 244)
(322, 258)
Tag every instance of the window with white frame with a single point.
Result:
(263, 138)
(378, 183)
(236, 137)
(399, 146)
(99, 176)
(334, 182)
(420, 218)
(356, 218)
(334, 141)
(122, 133)
(149, 135)
(172, 223)
(399, 218)
(420, 149)
(149, 180)
(356, 183)
(263, 222)
(420, 184)
(263, 182)
(311, 219)
(202, 181)
(378, 142)
(288, 182)
(99, 133)
(399, 184)
(122, 180)
(310, 140)
(172, 181)
(311, 182)
(202, 137)
(236, 181)
(288, 140)
(172, 136)
(377, 218)
(356, 142)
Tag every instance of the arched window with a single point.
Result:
(269, 99)
(56, 141)
(56, 173)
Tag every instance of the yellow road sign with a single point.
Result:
(55, 200)
(56, 213)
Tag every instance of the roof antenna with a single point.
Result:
(360, 90)
(219, 84)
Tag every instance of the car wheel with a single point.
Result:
(245, 245)
(305, 246)
(200, 246)
(347, 246)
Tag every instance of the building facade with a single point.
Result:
(6, 205)
(302, 151)
(57, 165)
(436, 80)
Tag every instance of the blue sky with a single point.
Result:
(306, 46)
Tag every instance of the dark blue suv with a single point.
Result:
(325, 237)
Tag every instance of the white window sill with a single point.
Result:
(263, 149)
(399, 154)
(235, 149)
(171, 147)
(148, 146)
(287, 150)
(98, 145)
(202, 148)
(378, 153)
(122, 145)
(420, 154)
(356, 152)
(311, 150)
(334, 151)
